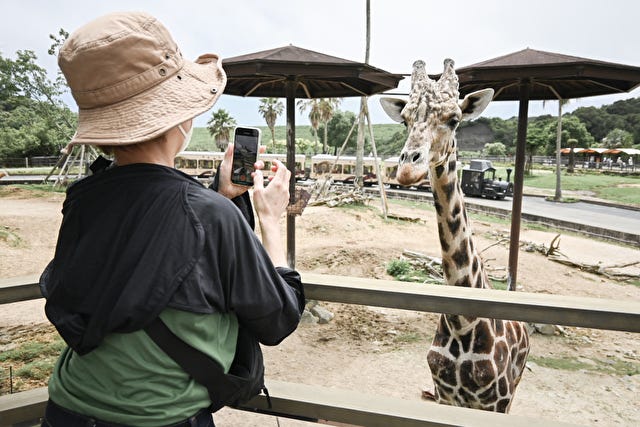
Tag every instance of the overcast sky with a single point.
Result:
(468, 31)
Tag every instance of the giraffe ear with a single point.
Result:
(474, 103)
(393, 107)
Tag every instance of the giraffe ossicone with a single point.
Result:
(475, 362)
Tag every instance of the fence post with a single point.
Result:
(26, 162)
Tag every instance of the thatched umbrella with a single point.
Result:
(291, 72)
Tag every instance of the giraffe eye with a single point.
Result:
(453, 122)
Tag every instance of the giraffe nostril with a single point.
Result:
(403, 157)
(415, 157)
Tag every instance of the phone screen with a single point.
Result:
(245, 154)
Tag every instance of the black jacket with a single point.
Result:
(136, 239)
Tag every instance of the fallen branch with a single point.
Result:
(349, 197)
(403, 217)
(554, 254)
(607, 271)
(432, 266)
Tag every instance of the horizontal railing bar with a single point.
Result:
(597, 313)
(23, 406)
(17, 289)
(316, 403)
(360, 409)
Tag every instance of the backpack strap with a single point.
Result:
(200, 366)
(244, 380)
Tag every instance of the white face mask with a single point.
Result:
(187, 136)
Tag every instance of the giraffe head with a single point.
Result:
(432, 114)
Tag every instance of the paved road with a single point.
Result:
(609, 217)
(623, 223)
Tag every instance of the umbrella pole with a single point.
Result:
(291, 165)
(518, 179)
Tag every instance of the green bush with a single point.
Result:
(399, 267)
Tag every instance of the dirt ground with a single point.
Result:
(383, 351)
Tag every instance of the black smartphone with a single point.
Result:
(245, 153)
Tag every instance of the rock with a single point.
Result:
(308, 318)
(531, 329)
(323, 315)
(545, 329)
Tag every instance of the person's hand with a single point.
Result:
(225, 186)
(271, 201)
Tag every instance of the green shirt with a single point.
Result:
(129, 380)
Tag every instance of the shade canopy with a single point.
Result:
(265, 74)
(534, 74)
(552, 76)
(292, 72)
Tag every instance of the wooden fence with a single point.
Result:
(343, 406)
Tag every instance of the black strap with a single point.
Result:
(201, 367)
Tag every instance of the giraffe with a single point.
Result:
(474, 362)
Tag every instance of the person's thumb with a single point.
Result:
(228, 155)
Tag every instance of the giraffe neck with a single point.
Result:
(461, 262)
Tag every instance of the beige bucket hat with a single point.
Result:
(130, 81)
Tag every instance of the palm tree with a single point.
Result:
(220, 126)
(271, 108)
(314, 117)
(326, 109)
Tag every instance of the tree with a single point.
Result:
(313, 105)
(599, 121)
(393, 145)
(33, 120)
(538, 136)
(572, 143)
(271, 108)
(220, 126)
(561, 103)
(338, 128)
(495, 149)
(327, 108)
(359, 175)
(572, 128)
(505, 131)
(618, 138)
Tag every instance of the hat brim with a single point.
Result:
(187, 94)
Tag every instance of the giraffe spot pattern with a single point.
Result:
(449, 189)
(443, 241)
(456, 210)
(463, 281)
(454, 225)
(446, 268)
(461, 256)
(480, 381)
(475, 266)
(503, 405)
(483, 343)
